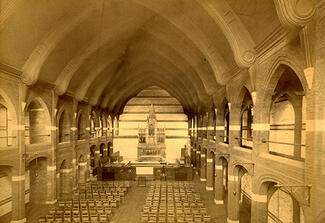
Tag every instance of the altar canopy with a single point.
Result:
(151, 145)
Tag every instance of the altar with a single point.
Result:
(151, 143)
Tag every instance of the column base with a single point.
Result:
(51, 202)
(209, 188)
(217, 202)
(203, 179)
(232, 221)
(18, 221)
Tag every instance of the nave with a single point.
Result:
(226, 94)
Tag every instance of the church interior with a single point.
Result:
(165, 111)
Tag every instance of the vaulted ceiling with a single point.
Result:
(106, 51)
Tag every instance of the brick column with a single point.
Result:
(198, 161)
(233, 197)
(18, 196)
(51, 184)
(259, 207)
(51, 165)
(74, 137)
(315, 122)
(73, 174)
(82, 172)
(203, 165)
(193, 156)
(88, 168)
(97, 157)
(218, 181)
(18, 173)
(66, 185)
(210, 172)
(234, 124)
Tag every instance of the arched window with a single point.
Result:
(226, 124)
(287, 117)
(64, 128)
(246, 132)
(35, 124)
(282, 122)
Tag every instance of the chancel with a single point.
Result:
(165, 111)
(151, 145)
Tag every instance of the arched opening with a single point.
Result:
(36, 120)
(246, 131)
(283, 207)
(287, 117)
(38, 180)
(226, 118)
(64, 127)
(81, 127)
(6, 190)
(82, 169)
(8, 120)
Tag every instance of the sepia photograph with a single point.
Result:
(162, 111)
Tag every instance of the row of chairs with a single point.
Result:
(98, 208)
(173, 202)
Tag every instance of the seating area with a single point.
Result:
(173, 202)
(91, 202)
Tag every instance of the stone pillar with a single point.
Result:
(315, 129)
(82, 172)
(259, 209)
(18, 173)
(18, 196)
(234, 124)
(198, 161)
(74, 137)
(51, 166)
(88, 168)
(233, 197)
(203, 165)
(66, 185)
(58, 184)
(195, 128)
(51, 184)
(97, 157)
(73, 174)
(218, 182)
(219, 128)
(193, 156)
(210, 172)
